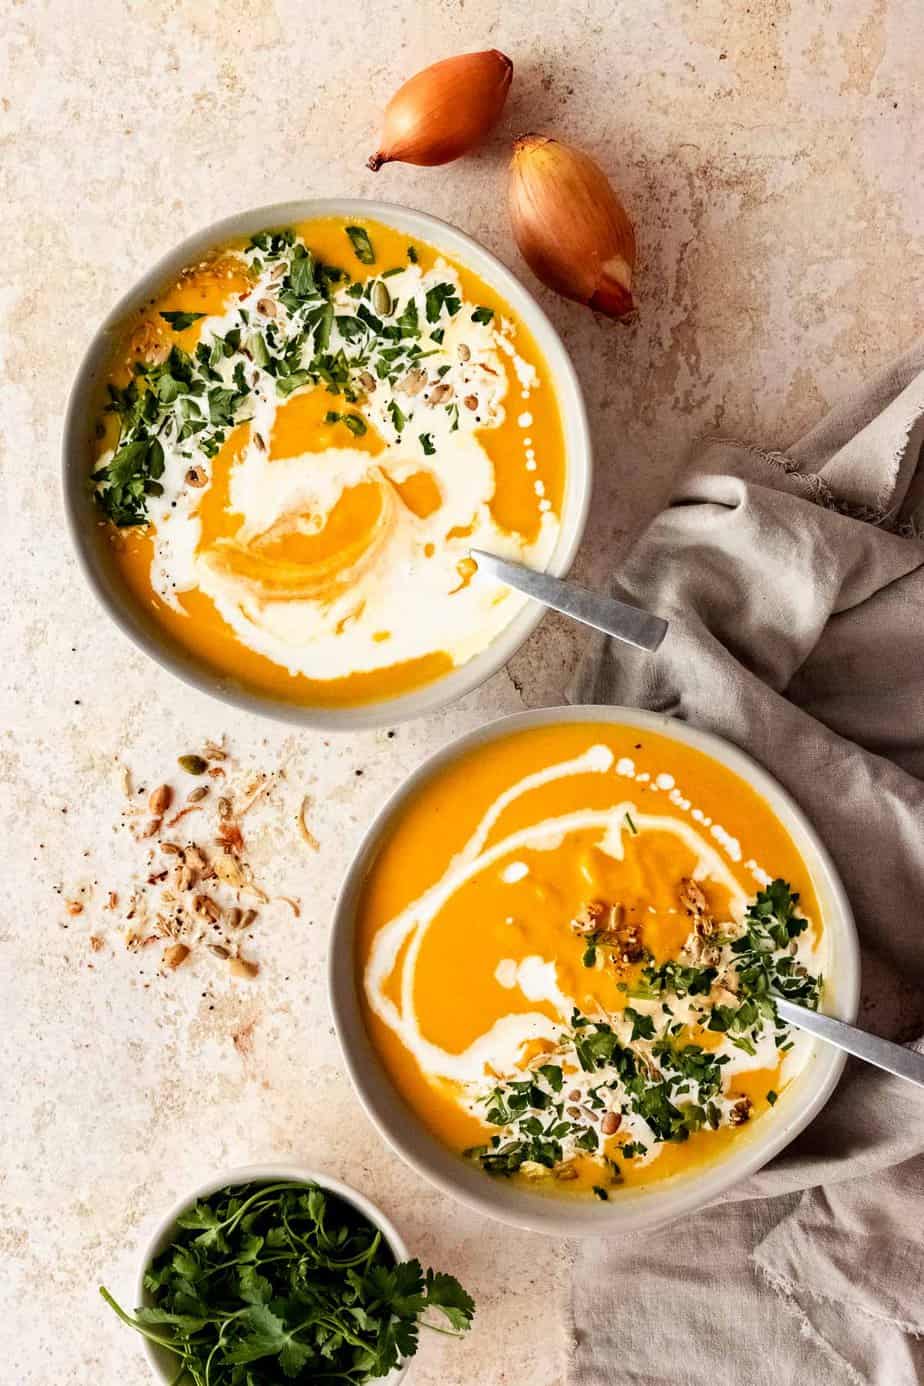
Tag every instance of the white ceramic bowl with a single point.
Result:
(83, 514)
(162, 1362)
(634, 1209)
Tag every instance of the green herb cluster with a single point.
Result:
(283, 1282)
(533, 1112)
(765, 965)
(647, 1068)
(384, 340)
(190, 401)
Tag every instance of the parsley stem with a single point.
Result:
(133, 1322)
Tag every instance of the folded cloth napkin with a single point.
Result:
(794, 584)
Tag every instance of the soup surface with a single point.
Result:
(304, 436)
(565, 950)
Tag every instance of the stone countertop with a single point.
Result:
(770, 157)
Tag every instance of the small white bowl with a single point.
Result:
(83, 514)
(641, 1208)
(161, 1361)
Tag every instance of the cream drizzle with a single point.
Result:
(501, 1045)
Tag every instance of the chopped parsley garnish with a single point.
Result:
(629, 1149)
(125, 484)
(308, 325)
(642, 1025)
(272, 243)
(362, 246)
(647, 1069)
(412, 255)
(397, 417)
(302, 282)
(482, 315)
(439, 297)
(180, 321)
(284, 1282)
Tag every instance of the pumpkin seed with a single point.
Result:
(381, 299)
(242, 967)
(193, 765)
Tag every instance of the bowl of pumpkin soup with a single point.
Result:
(284, 441)
(554, 962)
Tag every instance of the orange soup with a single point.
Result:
(305, 435)
(567, 948)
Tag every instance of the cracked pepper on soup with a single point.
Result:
(567, 945)
(305, 434)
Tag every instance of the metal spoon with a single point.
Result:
(627, 623)
(894, 1058)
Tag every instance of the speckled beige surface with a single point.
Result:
(770, 156)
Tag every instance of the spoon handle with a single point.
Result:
(894, 1058)
(624, 622)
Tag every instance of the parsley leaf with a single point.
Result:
(439, 297)
(180, 321)
(444, 1292)
(362, 246)
(397, 416)
(125, 483)
(642, 1025)
(483, 315)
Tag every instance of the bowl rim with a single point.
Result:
(260, 1173)
(124, 609)
(650, 1206)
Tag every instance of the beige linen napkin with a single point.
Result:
(794, 584)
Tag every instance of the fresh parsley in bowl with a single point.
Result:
(263, 1279)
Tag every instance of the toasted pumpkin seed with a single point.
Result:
(193, 765)
(413, 382)
(241, 967)
(381, 299)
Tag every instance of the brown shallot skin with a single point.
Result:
(444, 110)
(570, 226)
